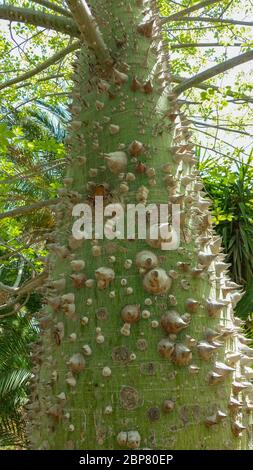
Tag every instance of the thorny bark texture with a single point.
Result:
(139, 347)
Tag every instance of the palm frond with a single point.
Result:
(53, 119)
(244, 307)
(12, 381)
(15, 337)
(12, 432)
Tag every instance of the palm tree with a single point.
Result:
(231, 192)
(40, 122)
(15, 372)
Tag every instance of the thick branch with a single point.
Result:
(52, 60)
(203, 19)
(185, 45)
(53, 7)
(213, 71)
(191, 9)
(8, 289)
(23, 210)
(33, 283)
(25, 15)
(89, 30)
(202, 86)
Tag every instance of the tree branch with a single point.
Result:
(22, 210)
(33, 283)
(53, 7)
(233, 94)
(18, 253)
(213, 71)
(203, 19)
(191, 9)
(89, 30)
(214, 150)
(13, 307)
(52, 60)
(204, 44)
(222, 128)
(222, 154)
(228, 144)
(37, 18)
(8, 289)
(20, 273)
(27, 287)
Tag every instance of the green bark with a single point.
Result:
(127, 391)
(45, 20)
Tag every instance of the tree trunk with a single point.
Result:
(116, 367)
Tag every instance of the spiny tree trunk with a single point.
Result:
(115, 369)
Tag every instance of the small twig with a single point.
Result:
(18, 252)
(18, 45)
(26, 40)
(223, 141)
(227, 129)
